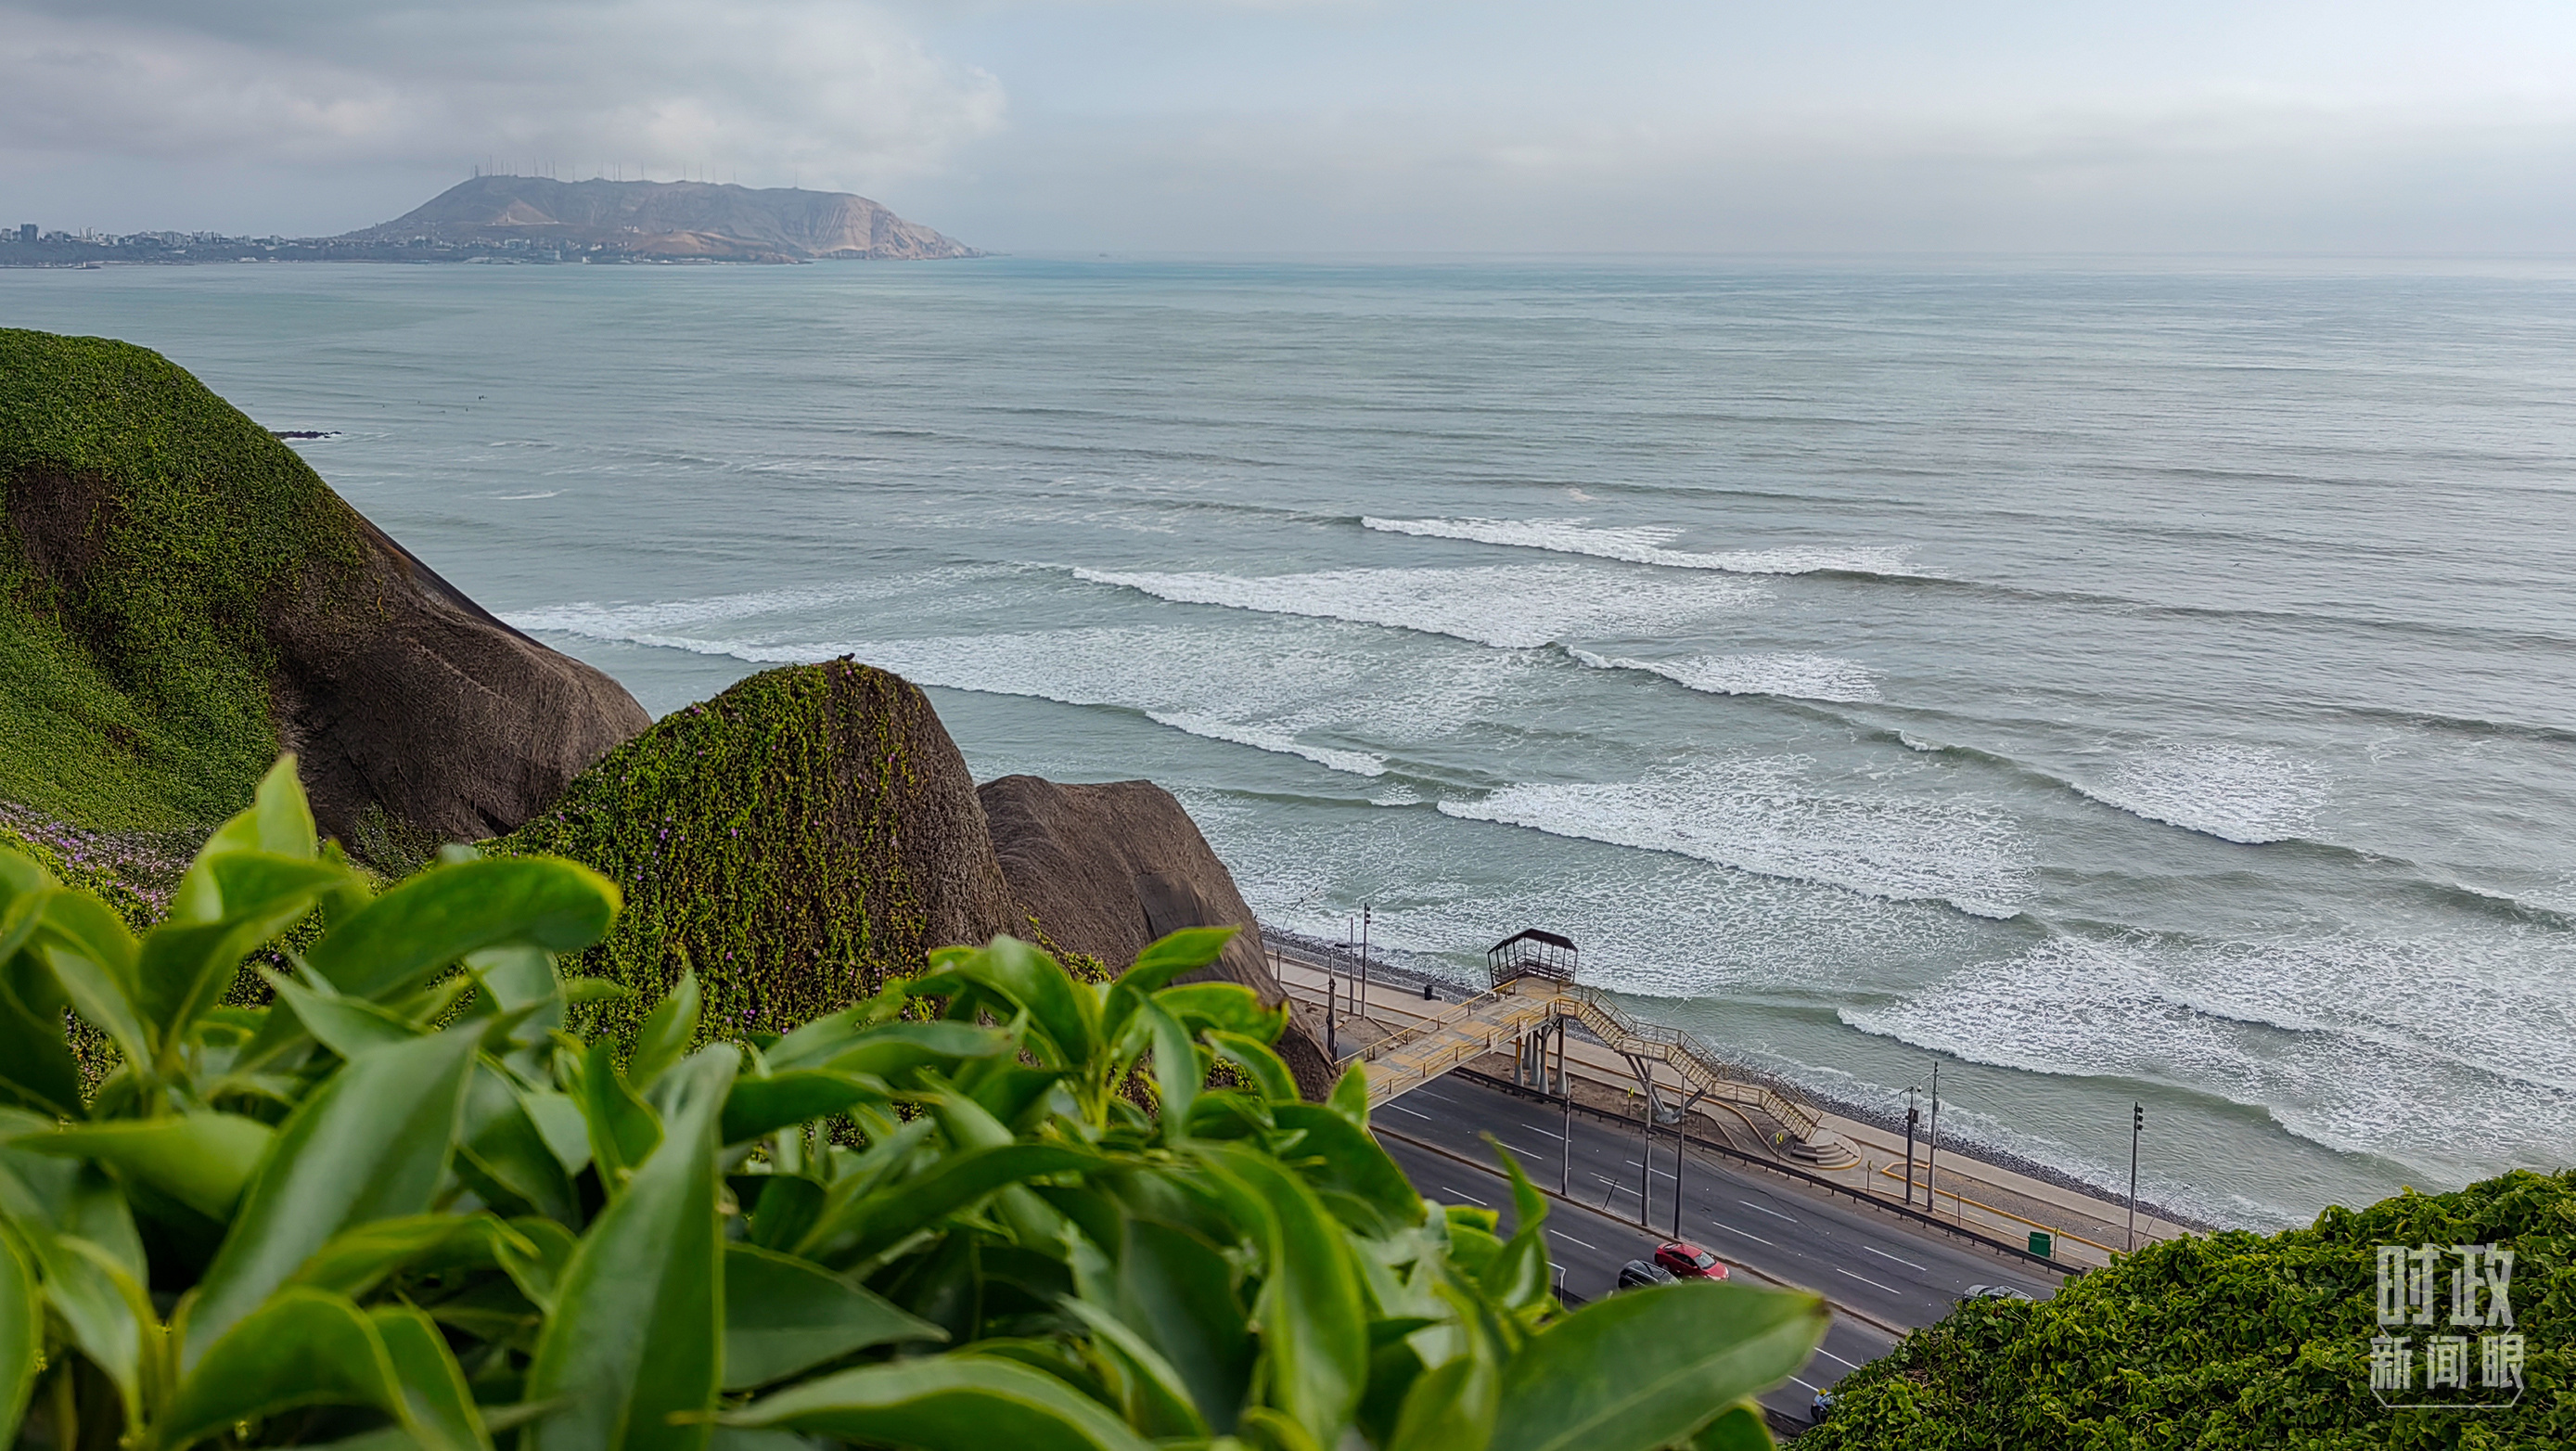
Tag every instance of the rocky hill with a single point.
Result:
(181, 598)
(665, 219)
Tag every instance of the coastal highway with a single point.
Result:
(1873, 1267)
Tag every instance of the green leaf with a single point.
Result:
(637, 1332)
(36, 1064)
(784, 1315)
(22, 1335)
(623, 1129)
(185, 967)
(1518, 1275)
(945, 1403)
(92, 957)
(761, 1106)
(787, 1207)
(1157, 1399)
(1649, 1367)
(1338, 1155)
(302, 1348)
(1351, 1095)
(888, 1050)
(1451, 1406)
(1739, 1427)
(1224, 1006)
(505, 1153)
(103, 1305)
(855, 1229)
(1314, 1329)
(447, 912)
(345, 1025)
(665, 1034)
(203, 1160)
(278, 822)
(1178, 1292)
(438, 1406)
(371, 1143)
(1065, 1013)
(358, 1259)
(1178, 1073)
(1254, 1057)
(1168, 957)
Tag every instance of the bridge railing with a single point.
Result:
(1625, 1033)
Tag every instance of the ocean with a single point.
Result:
(2148, 683)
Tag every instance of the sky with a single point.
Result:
(1273, 127)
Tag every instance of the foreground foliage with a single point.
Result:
(2230, 1340)
(407, 1206)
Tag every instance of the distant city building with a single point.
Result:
(27, 233)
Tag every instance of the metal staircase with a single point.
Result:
(1533, 993)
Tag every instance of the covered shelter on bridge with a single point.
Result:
(1531, 953)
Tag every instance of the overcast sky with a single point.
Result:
(1341, 125)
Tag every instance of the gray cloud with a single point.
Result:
(841, 93)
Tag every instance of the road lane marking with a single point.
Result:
(1470, 1198)
(1866, 1280)
(1882, 1254)
(1745, 1234)
(1570, 1239)
(1808, 1384)
(1417, 1113)
(1829, 1355)
(1758, 1209)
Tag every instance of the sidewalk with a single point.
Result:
(2086, 1229)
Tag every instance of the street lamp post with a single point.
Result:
(1913, 1116)
(1932, 1142)
(2137, 1126)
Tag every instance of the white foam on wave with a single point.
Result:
(2240, 793)
(1803, 676)
(1647, 544)
(1269, 738)
(1264, 699)
(1766, 815)
(517, 498)
(1503, 607)
(2455, 1056)
(634, 620)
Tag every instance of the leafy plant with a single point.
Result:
(405, 1205)
(2233, 1340)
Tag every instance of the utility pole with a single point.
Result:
(1913, 1116)
(1645, 1157)
(1565, 1146)
(1681, 1152)
(1932, 1140)
(1332, 1038)
(2137, 1126)
(1364, 947)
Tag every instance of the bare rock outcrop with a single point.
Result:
(1106, 869)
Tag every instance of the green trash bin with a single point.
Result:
(2041, 1243)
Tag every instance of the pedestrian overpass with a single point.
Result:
(1532, 995)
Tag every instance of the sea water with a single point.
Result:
(2119, 684)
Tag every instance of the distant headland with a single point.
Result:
(539, 219)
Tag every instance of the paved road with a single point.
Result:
(1863, 1261)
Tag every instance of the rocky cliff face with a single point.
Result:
(669, 219)
(181, 598)
(1106, 869)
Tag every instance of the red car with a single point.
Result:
(1687, 1261)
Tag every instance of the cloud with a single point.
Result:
(838, 94)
